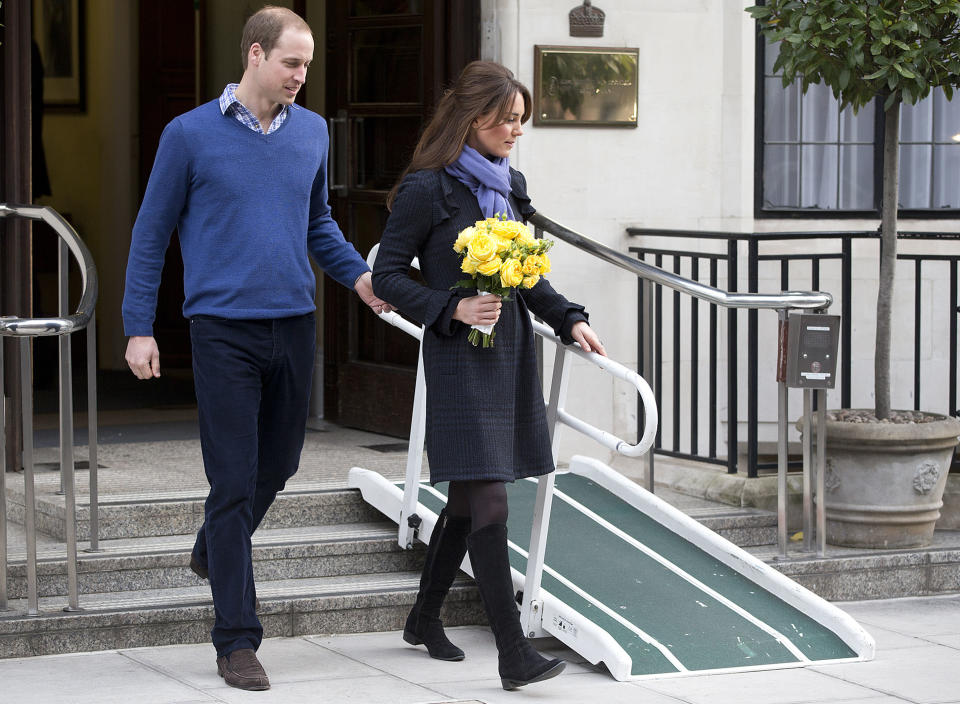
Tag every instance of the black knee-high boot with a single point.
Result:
(519, 663)
(445, 552)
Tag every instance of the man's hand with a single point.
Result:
(589, 342)
(143, 357)
(364, 288)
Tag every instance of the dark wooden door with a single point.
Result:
(168, 87)
(387, 61)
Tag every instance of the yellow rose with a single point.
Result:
(469, 265)
(511, 273)
(545, 267)
(489, 268)
(482, 247)
(463, 239)
(502, 244)
(525, 238)
(531, 265)
(508, 229)
(484, 225)
(530, 281)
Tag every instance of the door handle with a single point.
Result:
(337, 158)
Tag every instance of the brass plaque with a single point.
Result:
(585, 86)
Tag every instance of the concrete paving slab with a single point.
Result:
(566, 687)
(790, 686)
(882, 699)
(888, 640)
(924, 675)
(395, 657)
(353, 690)
(319, 668)
(920, 617)
(952, 641)
(285, 660)
(98, 678)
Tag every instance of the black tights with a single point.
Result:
(484, 502)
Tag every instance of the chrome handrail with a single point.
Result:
(12, 326)
(785, 300)
(62, 327)
(782, 302)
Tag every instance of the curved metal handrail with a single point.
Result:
(609, 440)
(12, 326)
(786, 300)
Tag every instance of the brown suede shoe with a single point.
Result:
(242, 670)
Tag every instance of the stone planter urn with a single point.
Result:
(884, 481)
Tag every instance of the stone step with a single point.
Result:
(179, 513)
(847, 574)
(746, 527)
(337, 604)
(162, 562)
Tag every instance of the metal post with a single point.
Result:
(821, 472)
(531, 611)
(92, 439)
(67, 467)
(808, 433)
(29, 501)
(3, 488)
(414, 459)
(647, 371)
(782, 456)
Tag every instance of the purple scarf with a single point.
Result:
(489, 180)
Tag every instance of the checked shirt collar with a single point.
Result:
(230, 104)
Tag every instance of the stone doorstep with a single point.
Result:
(277, 555)
(378, 603)
(712, 483)
(146, 515)
(887, 575)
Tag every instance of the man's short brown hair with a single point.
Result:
(265, 27)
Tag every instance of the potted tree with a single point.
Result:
(886, 469)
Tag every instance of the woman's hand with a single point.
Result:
(587, 338)
(478, 310)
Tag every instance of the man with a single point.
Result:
(243, 178)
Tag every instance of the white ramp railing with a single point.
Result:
(531, 611)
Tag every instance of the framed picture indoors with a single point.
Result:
(58, 31)
(576, 85)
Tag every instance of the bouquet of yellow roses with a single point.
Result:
(499, 254)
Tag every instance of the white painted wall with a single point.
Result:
(687, 165)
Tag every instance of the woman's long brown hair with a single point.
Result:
(483, 87)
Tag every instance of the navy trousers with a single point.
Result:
(252, 379)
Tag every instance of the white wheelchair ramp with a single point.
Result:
(619, 575)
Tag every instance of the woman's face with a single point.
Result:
(494, 135)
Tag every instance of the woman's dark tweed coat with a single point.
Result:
(485, 410)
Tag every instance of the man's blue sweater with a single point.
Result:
(248, 208)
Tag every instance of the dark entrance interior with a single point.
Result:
(387, 62)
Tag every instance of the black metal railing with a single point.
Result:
(682, 396)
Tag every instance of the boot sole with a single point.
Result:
(510, 685)
(412, 639)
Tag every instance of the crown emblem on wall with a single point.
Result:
(586, 20)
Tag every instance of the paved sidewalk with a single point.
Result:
(918, 660)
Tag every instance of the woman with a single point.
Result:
(486, 423)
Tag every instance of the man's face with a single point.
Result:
(280, 73)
